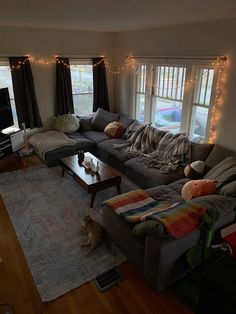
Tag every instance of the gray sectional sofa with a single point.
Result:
(90, 137)
(157, 256)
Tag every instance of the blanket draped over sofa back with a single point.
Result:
(158, 149)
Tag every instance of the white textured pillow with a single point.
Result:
(67, 123)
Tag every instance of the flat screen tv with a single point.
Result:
(6, 117)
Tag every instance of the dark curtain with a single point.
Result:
(24, 92)
(100, 93)
(64, 98)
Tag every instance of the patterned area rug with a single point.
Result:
(46, 211)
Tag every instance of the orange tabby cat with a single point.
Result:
(95, 233)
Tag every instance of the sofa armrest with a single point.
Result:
(164, 261)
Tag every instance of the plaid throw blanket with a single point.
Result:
(172, 150)
(144, 140)
(157, 149)
(46, 141)
(178, 219)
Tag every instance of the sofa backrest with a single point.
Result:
(200, 151)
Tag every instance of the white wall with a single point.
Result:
(44, 43)
(212, 38)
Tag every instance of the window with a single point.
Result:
(82, 86)
(6, 81)
(175, 97)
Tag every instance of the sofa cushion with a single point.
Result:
(85, 122)
(149, 227)
(228, 190)
(226, 207)
(128, 132)
(125, 120)
(150, 177)
(102, 118)
(114, 129)
(224, 172)
(95, 136)
(164, 193)
(178, 185)
(217, 155)
(200, 151)
(115, 157)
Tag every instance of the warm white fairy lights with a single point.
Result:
(217, 64)
(126, 63)
(217, 110)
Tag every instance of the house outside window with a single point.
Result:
(6, 81)
(176, 97)
(82, 85)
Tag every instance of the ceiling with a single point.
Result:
(112, 15)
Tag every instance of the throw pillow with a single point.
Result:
(114, 129)
(224, 172)
(131, 128)
(85, 123)
(194, 170)
(218, 154)
(66, 123)
(102, 118)
(197, 188)
(125, 120)
(200, 151)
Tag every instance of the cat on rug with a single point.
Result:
(95, 233)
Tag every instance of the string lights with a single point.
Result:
(127, 62)
(216, 110)
(217, 64)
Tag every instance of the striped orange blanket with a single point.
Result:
(178, 219)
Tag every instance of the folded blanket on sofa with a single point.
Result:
(178, 219)
(44, 142)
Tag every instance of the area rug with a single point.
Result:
(46, 211)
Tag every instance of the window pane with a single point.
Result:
(140, 101)
(82, 88)
(203, 86)
(83, 104)
(6, 81)
(167, 114)
(141, 79)
(198, 124)
(169, 82)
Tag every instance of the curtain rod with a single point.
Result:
(223, 58)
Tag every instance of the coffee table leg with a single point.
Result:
(92, 199)
(118, 189)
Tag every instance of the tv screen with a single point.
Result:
(6, 117)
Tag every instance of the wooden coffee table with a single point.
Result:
(87, 179)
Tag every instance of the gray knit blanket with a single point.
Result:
(46, 141)
(155, 150)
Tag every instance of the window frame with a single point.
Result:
(191, 66)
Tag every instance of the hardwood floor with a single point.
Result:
(17, 288)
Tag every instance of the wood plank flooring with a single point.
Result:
(17, 288)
